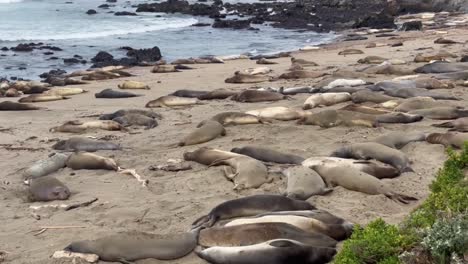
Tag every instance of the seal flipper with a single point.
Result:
(400, 197)
(124, 261)
(446, 124)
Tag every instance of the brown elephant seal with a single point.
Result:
(418, 92)
(277, 112)
(443, 112)
(372, 150)
(268, 155)
(188, 93)
(372, 60)
(77, 126)
(133, 246)
(389, 69)
(172, 101)
(236, 118)
(359, 181)
(278, 251)
(207, 156)
(90, 161)
(445, 41)
(375, 168)
(206, 131)
(122, 112)
(252, 96)
(332, 118)
(364, 109)
(302, 74)
(450, 139)
(398, 140)
(249, 206)
(44, 167)
(250, 234)
(12, 92)
(36, 98)
(46, 189)
(247, 78)
(442, 67)
(460, 124)
(397, 117)
(66, 91)
(164, 69)
(84, 144)
(218, 94)
(350, 52)
(325, 99)
(136, 120)
(109, 93)
(245, 172)
(302, 62)
(12, 106)
(304, 183)
(265, 61)
(365, 95)
(133, 85)
(416, 103)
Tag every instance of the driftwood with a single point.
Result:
(45, 228)
(91, 258)
(66, 207)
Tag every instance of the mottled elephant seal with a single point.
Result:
(164, 68)
(247, 78)
(443, 112)
(302, 74)
(450, 139)
(172, 101)
(249, 206)
(265, 61)
(277, 112)
(417, 103)
(325, 99)
(133, 85)
(278, 251)
(372, 150)
(205, 131)
(77, 126)
(302, 62)
(84, 144)
(396, 117)
(397, 139)
(350, 52)
(365, 95)
(359, 181)
(188, 93)
(304, 183)
(460, 125)
(389, 69)
(36, 98)
(268, 155)
(109, 93)
(90, 161)
(236, 118)
(46, 166)
(217, 94)
(332, 118)
(136, 120)
(207, 156)
(442, 67)
(252, 96)
(132, 246)
(47, 188)
(122, 112)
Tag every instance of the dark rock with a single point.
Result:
(124, 13)
(354, 37)
(23, 48)
(91, 12)
(22, 68)
(412, 25)
(71, 61)
(127, 48)
(398, 44)
(48, 47)
(234, 24)
(13, 78)
(464, 58)
(148, 55)
(104, 6)
(111, 1)
(201, 24)
(4, 49)
(381, 20)
(102, 56)
(77, 56)
(53, 58)
(51, 73)
(48, 53)
(7, 68)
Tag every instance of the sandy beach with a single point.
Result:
(173, 200)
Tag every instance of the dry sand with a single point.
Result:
(173, 200)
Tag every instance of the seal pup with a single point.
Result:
(206, 131)
(325, 99)
(245, 172)
(253, 96)
(342, 82)
(250, 234)
(277, 112)
(46, 189)
(398, 140)
(109, 93)
(304, 183)
(217, 94)
(297, 90)
(36, 98)
(302, 74)
(136, 120)
(450, 139)
(240, 77)
(268, 155)
(90, 161)
(460, 124)
(133, 85)
(172, 101)
(302, 62)
(265, 61)
(236, 118)
(278, 251)
(249, 206)
(44, 167)
(442, 67)
(188, 93)
(164, 68)
(132, 246)
(443, 112)
(359, 181)
(122, 112)
(12, 106)
(365, 95)
(333, 118)
(372, 150)
(84, 144)
(207, 156)
(78, 126)
(350, 52)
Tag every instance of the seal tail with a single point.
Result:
(445, 124)
(402, 198)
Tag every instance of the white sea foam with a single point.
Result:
(10, 1)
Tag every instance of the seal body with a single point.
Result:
(251, 96)
(90, 161)
(188, 93)
(443, 112)
(450, 139)
(207, 156)
(460, 124)
(416, 103)
(133, 85)
(84, 144)
(206, 131)
(325, 99)
(415, 92)
(277, 112)
(171, 101)
(247, 78)
(164, 69)
(122, 112)
(442, 67)
(302, 74)
(136, 120)
(46, 166)
(66, 91)
(217, 94)
(47, 189)
(268, 155)
(395, 117)
(35, 98)
(363, 96)
(109, 93)
(236, 118)
(397, 140)
(304, 183)
(77, 126)
(332, 118)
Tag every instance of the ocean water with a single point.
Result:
(64, 23)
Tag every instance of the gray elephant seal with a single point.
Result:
(250, 234)
(359, 181)
(251, 96)
(172, 101)
(122, 112)
(332, 118)
(236, 118)
(442, 67)
(402, 118)
(302, 74)
(206, 131)
(278, 251)
(265, 61)
(372, 150)
(268, 155)
(219, 94)
(109, 93)
(302, 62)
(84, 144)
(132, 246)
(460, 125)
(46, 189)
(364, 109)
(277, 113)
(136, 120)
(397, 140)
(12, 106)
(443, 112)
(46, 166)
(365, 95)
(417, 103)
(188, 93)
(207, 156)
(249, 206)
(418, 92)
(90, 161)
(450, 139)
(304, 183)
(247, 78)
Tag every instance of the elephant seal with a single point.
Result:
(389, 69)
(132, 246)
(397, 117)
(325, 99)
(109, 93)
(443, 112)
(90, 161)
(277, 112)
(77, 126)
(122, 112)
(133, 85)
(372, 60)
(249, 234)
(253, 96)
(304, 183)
(206, 131)
(66, 91)
(297, 90)
(278, 251)
(84, 144)
(460, 124)
(418, 92)
(372, 150)
(268, 155)
(398, 140)
(450, 139)
(247, 78)
(265, 61)
(332, 118)
(442, 67)
(363, 96)
(46, 189)
(188, 93)
(359, 181)
(302, 62)
(164, 69)
(445, 41)
(12, 106)
(172, 101)
(375, 168)
(244, 171)
(420, 82)
(318, 214)
(217, 94)
(46, 166)
(364, 109)
(333, 83)
(236, 118)
(416, 103)
(136, 120)
(12, 92)
(350, 52)
(36, 98)
(207, 156)
(249, 206)
(302, 74)
(257, 71)
(454, 76)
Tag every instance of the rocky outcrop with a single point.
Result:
(135, 57)
(417, 6)
(124, 13)
(91, 12)
(234, 24)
